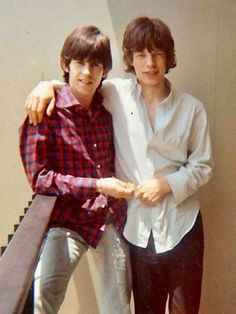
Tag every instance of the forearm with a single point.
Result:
(53, 83)
(49, 182)
(197, 169)
(189, 179)
(38, 158)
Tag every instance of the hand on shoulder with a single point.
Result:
(40, 100)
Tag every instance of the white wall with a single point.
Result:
(32, 33)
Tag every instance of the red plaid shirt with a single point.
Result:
(64, 156)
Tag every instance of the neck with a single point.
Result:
(153, 95)
(85, 101)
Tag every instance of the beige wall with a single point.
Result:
(31, 35)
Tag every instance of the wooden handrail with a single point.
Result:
(18, 263)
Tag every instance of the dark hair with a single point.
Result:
(145, 32)
(89, 43)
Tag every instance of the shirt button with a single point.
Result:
(103, 206)
(98, 166)
(95, 145)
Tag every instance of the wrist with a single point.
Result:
(99, 186)
(55, 84)
(167, 186)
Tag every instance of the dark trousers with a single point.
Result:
(176, 274)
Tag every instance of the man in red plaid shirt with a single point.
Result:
(72, 156)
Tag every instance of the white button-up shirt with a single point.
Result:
(178, 148)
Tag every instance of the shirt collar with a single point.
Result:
(65, 99)
(136, 90)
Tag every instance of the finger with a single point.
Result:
(128, 193)
(124, 190)
(41, 108)
(131, 186)
(153, 201)
(147, 200)
(125, 193)
(27, 106)
(138, 194)
(51, 107)
(33, 105)
(30, 105)
(149, 204)
(137, 190)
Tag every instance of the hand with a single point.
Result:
(115, 187)
(152, 191)
(41, 98)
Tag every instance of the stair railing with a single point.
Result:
(19, 260)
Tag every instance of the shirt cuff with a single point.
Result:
(84, 188)
(178, 186)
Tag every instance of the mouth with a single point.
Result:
(86, 81)
(152, 72)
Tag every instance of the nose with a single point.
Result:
(149, 59)
(87, 68)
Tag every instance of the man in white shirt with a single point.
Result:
(163, 146)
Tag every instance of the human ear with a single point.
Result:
(64, 67)
(104, 75)
(131, 58)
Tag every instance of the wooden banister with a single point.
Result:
(18, 263)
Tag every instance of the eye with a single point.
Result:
(98, 65)
(158, 53)
(139, 54)
(79, 62)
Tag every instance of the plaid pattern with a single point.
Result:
(64, 156)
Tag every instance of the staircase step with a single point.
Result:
(15, 227)
(2, 249)
(10, 236)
